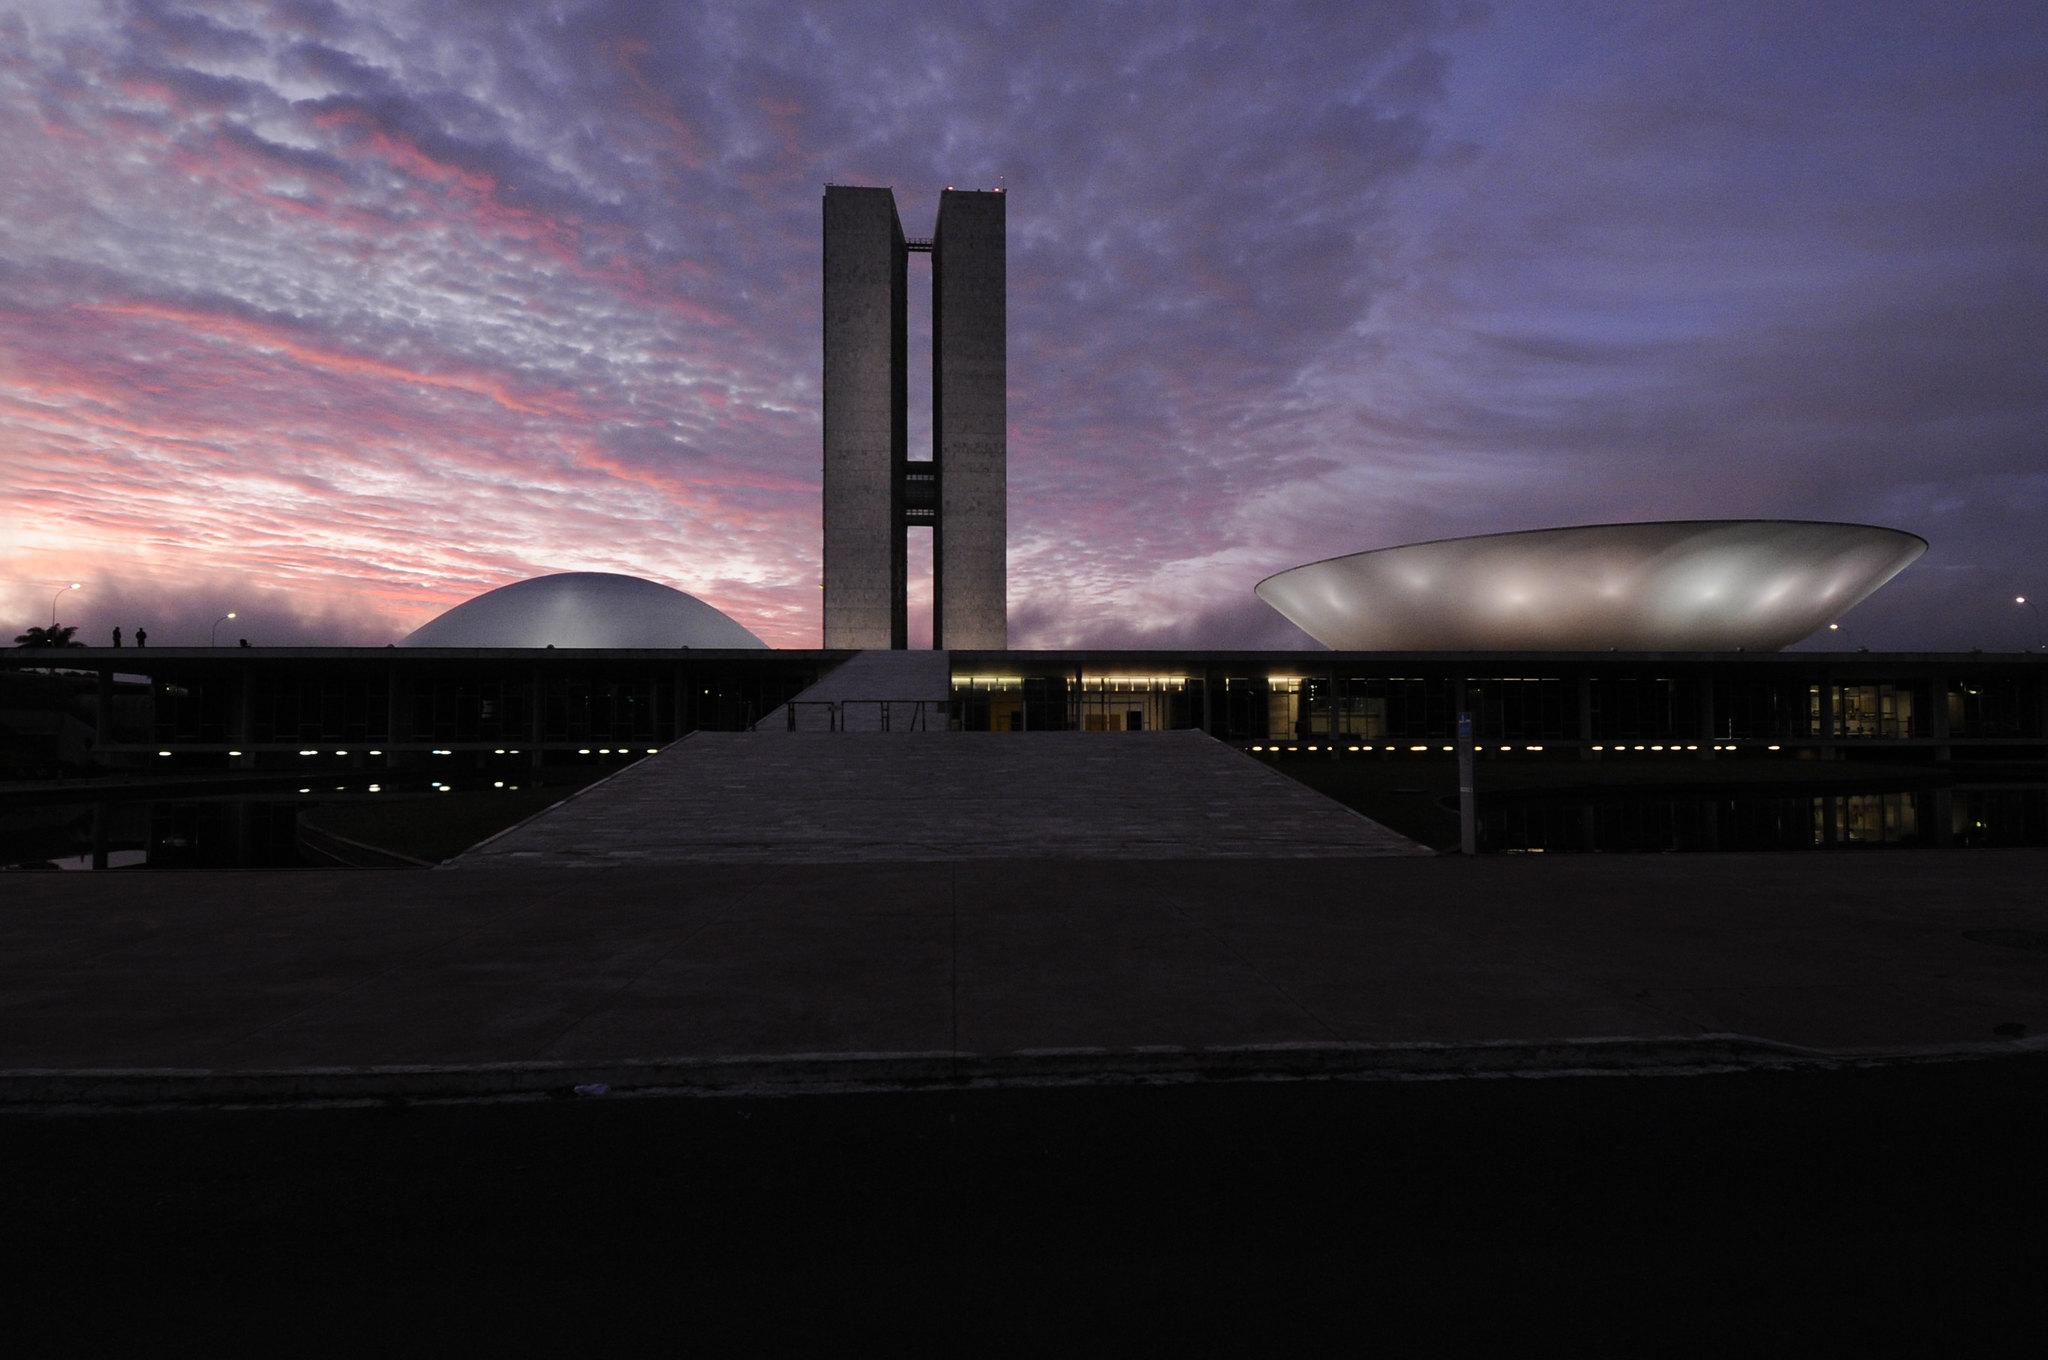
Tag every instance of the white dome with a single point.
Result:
(1689, 585)
(583, 609)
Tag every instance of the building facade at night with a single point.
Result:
(875, 493)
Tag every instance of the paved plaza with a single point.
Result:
(316, 984)
(821, 910)
(841, 797)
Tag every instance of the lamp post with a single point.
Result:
(213, 638)
(2039, 644)
(58, 596)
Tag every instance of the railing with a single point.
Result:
(889, 713)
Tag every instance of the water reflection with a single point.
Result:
(1957, 817)
(238, 828)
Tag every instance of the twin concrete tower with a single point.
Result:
(874, 494)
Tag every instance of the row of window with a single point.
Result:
(1367, 708)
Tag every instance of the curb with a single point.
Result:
(104, 1089)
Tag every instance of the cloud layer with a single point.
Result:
(337, 313)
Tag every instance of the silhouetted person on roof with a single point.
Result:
(117, 637)
(142, 637)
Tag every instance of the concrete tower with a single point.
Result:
(873, 494)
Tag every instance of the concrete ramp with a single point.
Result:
(873, 691)
(762, 797)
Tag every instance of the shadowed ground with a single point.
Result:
(974, 969)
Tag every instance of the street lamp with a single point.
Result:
(213, 638)
(58, 596)
(2039, 645)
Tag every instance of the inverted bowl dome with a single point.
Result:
(583, 609)
(1689, 585)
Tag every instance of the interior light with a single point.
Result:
(1532, 748)
(1418, 748)
(163, 753)
(1773, 748)
(499, 784)
(234, 753)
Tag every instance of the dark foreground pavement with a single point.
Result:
(1891, 1210)
(339, 985)
(1036, 1160)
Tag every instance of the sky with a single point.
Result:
(335, 313)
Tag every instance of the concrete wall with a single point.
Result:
(864, 418)
(969, 423)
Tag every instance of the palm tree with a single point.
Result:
(38, 636)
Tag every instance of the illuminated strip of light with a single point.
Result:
(1418, 748)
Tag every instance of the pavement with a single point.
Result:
(803, 911)
(311, 986)
(838, 797)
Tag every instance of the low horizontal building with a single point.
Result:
(309, 708)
